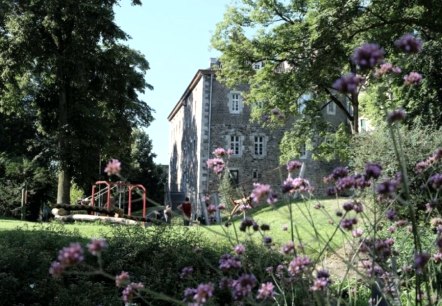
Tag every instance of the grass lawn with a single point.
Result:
(311, 226)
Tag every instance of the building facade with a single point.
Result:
(208, 116)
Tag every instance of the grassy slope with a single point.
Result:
(306, 220)
(305, 217)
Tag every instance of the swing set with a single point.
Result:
(103, 197)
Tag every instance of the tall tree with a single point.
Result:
(64, 58)
(306, 45)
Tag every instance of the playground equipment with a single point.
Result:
(120, 188)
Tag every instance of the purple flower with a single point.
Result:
(387, 187)
(396, 115)
(372, 171)
(243, 286)
(216, 164)
(348, 83)
(71, 255)
(387, 68)
(409, 44)
(413, 78)
(357, 233)
(299, 264)
(322, 281)
(219, 152)
(113, 167)
(265, 227)
(56, 269)
(339, 172)
(260, 191)
(348, 223)
(267, 240)
(186, 272)
(421, 166)
(246, 223)
(265, 291)
(239, 249)
(229, 262)
(295, 185)
(435, 181)
(368, 55)
(130, 291)
(293, 165)
(121, 279)
(348, 206)
(202, 293)
(288, 248)
(420, 260)
(391, 214)
(358, 207)
(97, 245)
(345, 183)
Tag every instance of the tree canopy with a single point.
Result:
(306, 45)
(64, 64)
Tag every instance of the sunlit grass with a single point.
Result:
(311, 227)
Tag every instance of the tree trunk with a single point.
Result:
(355, 104)
(64, 187)
(64, 177)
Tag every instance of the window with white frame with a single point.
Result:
(257, 65)
(235, 145)
(259, 145)
(331, 108)
(235, 102)
(255, 174)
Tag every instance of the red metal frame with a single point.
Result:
(131, 188)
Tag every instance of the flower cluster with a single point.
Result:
(396, 115)
(293, 165)
(229, 262)
(430, 161)
(96, 246)
(387, 68)
(67, 257)
(130, 291)
(221, 152)
(296, 185)
(413, 78)
(348, 83)
(261, 191)
(113, 167)
(216, 164)
(200, 294)
(299, 265)
(409, 44)
(368, 55)
(322, 280)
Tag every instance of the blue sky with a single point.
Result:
(175, 37)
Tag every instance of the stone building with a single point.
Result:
(207, 116)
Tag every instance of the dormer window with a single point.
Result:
(257, 65)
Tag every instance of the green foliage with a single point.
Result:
(418, 142)
(306, 45)
(63, 63)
